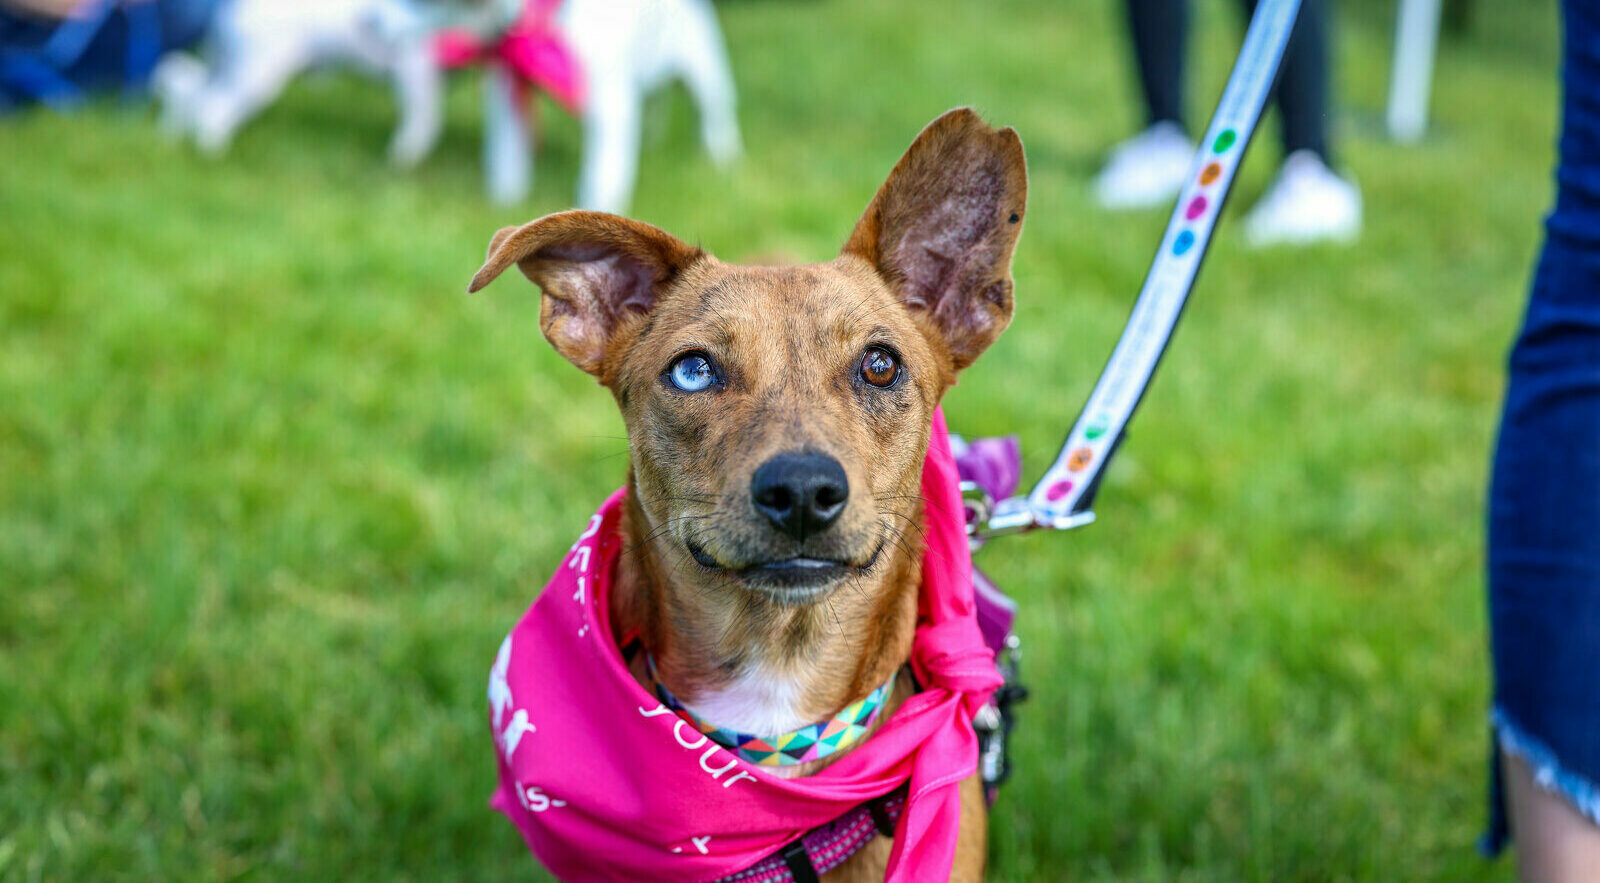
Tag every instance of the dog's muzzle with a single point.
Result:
(801, 494)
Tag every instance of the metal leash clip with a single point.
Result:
(987, 518)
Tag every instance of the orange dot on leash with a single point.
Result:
(1210, 174)
(1079, 459)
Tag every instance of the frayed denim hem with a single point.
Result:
(1548, 773)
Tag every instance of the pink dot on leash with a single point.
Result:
(1058, 490)
(1197, 207)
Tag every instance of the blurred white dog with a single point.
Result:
(625, 48)
(257, 46)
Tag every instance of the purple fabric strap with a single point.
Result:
(994, 464)
(996, 610)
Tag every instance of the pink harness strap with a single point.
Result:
(827, 847)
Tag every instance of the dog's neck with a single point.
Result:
(745, 663)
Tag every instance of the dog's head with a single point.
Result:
(778, 417)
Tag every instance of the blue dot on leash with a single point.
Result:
(1184, 242)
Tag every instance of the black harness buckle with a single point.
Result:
(799, 862)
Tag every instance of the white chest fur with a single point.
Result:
(759, 701)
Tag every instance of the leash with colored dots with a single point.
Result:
(1062, 499)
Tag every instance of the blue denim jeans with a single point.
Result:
(122, 45)
(1544, 499)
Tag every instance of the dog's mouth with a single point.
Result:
(790, 581)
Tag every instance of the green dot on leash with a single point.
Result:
(1224, 141)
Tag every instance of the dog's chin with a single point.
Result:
(788, 582)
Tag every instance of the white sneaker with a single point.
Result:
(1147, 169)
(1306, 203)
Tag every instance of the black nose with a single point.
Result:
(802, 494)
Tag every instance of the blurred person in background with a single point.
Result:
(1544, 519)
(1307, 201)
(53, 52)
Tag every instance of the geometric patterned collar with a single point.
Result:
(805, 744)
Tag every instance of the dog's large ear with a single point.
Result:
(942, 228)
(598, 272)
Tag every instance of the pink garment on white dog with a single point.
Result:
(533, 48)
(605, 783)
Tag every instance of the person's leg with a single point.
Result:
(1544, 562)
(1544, 567)
(1160, 30)
(1554, 843)
(1304, 87)
(1544, 502)
(1308, 202)
(1148, 169)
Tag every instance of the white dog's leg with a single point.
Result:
(250, 76)
(705, 71)
(177, 81)
(610, 145)
(419, 87)
(507, 148)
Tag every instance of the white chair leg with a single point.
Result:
(1416, 38)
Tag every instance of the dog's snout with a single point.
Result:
(801, 494)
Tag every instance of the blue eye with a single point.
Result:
(692, 373)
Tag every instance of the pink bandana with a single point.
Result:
(606, 783)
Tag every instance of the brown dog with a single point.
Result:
(777, 420)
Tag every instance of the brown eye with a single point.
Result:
(880, 368)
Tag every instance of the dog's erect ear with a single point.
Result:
(942, 228)
(597, 271)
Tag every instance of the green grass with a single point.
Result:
(272, 488)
